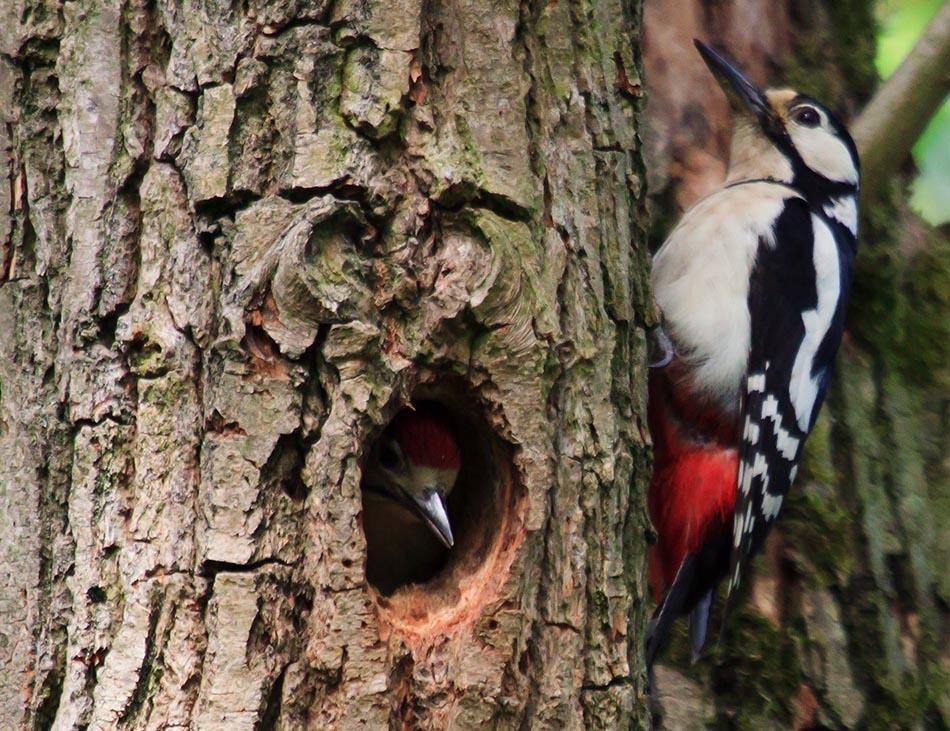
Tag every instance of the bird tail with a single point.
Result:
(672, 606)
(698, 624)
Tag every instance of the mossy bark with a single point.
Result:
(234, 240)
(845, 623)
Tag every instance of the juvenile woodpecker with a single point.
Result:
(753, 285)
(406, 480)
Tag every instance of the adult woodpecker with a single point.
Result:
(753, 284)
(407, 478)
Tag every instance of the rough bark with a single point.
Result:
(234, 240)
(845, 624)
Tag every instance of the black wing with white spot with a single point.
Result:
(797, 296)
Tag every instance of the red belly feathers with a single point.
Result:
(693, 490)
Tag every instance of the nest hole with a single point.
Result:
(415, 577)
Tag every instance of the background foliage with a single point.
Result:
(901, 22)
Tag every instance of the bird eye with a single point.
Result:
(808, 117)
(388, 455)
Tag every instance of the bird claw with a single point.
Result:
(659, 347)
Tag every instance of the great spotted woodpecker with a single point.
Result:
(407, 478)
(753, 285)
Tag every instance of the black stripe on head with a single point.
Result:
(836, 124)
(816, 187)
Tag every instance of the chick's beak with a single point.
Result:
(432, 508)
(743, 95)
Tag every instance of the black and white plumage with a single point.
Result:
(798, 292)
(753, 284)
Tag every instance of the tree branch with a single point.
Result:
(900, 110)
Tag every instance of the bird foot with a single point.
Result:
(659, 347)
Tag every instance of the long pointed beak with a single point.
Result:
(431, 507)
(742, 93)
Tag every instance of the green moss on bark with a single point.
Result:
(756, 673)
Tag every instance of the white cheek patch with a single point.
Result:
(824, 153)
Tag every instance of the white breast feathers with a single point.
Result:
(701, 281)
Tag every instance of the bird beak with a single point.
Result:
(743, 95)
(431, 507)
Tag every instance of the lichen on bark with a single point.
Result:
(238, 239)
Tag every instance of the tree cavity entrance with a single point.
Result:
(422, 586)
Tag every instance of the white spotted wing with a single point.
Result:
(800, 285)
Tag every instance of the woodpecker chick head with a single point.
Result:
(415, 463)
(781, 135)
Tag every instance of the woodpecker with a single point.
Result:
(407, 479)
(753, 284)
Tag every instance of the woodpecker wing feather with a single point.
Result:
(798, 292)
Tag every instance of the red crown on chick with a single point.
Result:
(426, 440)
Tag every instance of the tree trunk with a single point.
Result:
(235, 242)
(845, 624)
